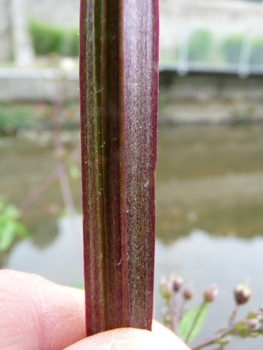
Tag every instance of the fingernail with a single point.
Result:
(130, 339)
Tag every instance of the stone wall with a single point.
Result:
(195, 98)
(209, 98)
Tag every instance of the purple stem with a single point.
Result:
(66, 194)
(210, 340)
(118, 95)
(194, 323)
(62, 176)
(177, 316)
(174, 311)
(233, 316)
(141, 32)
(33, 197)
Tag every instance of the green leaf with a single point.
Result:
(20, 230)
(188, 319)
(11, 212)
(4, 221)
(7, 236)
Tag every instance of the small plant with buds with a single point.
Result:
(188, 323)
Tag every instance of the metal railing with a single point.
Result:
(209, 50)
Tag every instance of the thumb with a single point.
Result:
(128, 339)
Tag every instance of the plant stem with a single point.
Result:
(177, 316)
(67, 195)
(174, 312)
(118, 95)
(213, 338)
(233, 315)
(141, 96)
(194, 322)
(33, 197)
(62, 176)
(40, 189)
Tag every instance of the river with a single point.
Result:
(209, 213)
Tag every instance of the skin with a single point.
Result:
(38, 314)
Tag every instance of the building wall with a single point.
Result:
(60, 12)
(177, 17)
(173, 16)
(5, 42)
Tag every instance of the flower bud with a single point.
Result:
(188, 292)
(247, 324)
(210, 293)
(252, 314)
(177, 282)
(242, 294)
(166, 288)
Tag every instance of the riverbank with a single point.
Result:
(195, 99)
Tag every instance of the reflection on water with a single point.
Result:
(210, 178)
(61, 261)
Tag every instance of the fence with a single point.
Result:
(200, 49)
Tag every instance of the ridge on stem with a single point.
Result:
(118, 96)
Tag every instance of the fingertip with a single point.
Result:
(168, 335)
(35, 311)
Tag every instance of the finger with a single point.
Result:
(129, 339)
(162, 331)
(38, 314)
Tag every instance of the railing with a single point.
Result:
(210, 50)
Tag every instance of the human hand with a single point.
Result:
(38, 314)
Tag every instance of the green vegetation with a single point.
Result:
(13, 118)
(48, 39)
(200, 45)
(232, 47)
(10, 228)
(188, 323)
(256, 56)
(188, 319)
(201, 48)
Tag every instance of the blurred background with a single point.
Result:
(210, 145)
